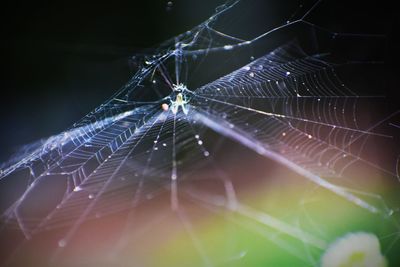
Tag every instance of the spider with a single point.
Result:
(177, 99)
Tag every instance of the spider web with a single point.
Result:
(287, 105)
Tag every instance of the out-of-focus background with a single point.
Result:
(62, 59)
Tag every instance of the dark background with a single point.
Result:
(62, 59)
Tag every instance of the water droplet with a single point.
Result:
(169, 5)
(228, 47)
(62, 243)
(77, 189)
